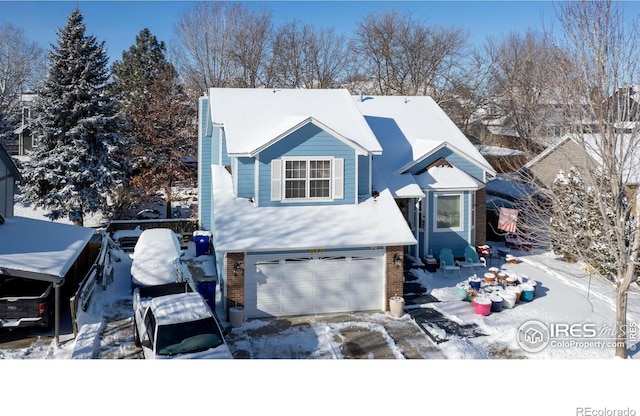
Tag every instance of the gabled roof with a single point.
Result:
(6, 159)
(412, 128)
(256, 118)
(627, 143)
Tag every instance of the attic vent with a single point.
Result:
(440, 163)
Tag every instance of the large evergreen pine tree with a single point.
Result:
(79, 162)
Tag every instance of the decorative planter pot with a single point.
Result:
(490, 278)
(463, 290)
(475, 282)
(482, 305)
(508, 299)
(236, 316)
(396, 306)
(496, 303)
(528, 292)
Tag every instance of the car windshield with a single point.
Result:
(188, 337)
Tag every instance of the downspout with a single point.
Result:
(416, 221)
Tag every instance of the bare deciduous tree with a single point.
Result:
(221, 45)
(21, 63)
(303, 56)
(405, 57)
(603, 48)
(523, 85)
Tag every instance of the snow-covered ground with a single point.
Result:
(572, 373)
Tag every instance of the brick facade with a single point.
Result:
(394, 273)
(235, 281)
(481, 216)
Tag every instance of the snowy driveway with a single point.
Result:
(566, 295)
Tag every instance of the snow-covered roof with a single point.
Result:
(256, 118)
(441, 178)
(410, 128)
(42, 250)
(495, 151)
(240, 226)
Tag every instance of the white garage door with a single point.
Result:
(320, 283)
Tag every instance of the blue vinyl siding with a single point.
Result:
(308, 142)
(455, 159)
(225, 159)
(455, 240)
(205, 144)
(245, 177)
(364, 167)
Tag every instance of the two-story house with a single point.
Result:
(302, 190)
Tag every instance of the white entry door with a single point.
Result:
(287, 285)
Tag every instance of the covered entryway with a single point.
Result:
(301, 284)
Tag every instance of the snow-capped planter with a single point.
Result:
(490, 278)
(236, 316)
(496, 302)
(494, 270)
(517, 290)
(396, 306)
(482, 305)
(463, 290)
(508, 299)
(510, 280)
(528, 292)
(475, 282)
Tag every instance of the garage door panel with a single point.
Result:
(281, 286)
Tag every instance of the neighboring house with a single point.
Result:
(36, 249)
(299, 190)
(564, 154)
(9, 176)
(23, 139)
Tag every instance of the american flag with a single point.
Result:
(508, 219)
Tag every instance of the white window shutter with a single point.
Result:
(276, 180)
(338, 178)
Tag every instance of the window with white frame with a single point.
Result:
(448, 212)
(307, 179)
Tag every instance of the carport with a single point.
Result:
(41, 250)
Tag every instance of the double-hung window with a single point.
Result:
(307, 179)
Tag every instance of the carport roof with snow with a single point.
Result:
(41, 250)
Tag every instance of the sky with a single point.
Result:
(118, 22)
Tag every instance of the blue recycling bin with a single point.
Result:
(207, 289)
(202, 241)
